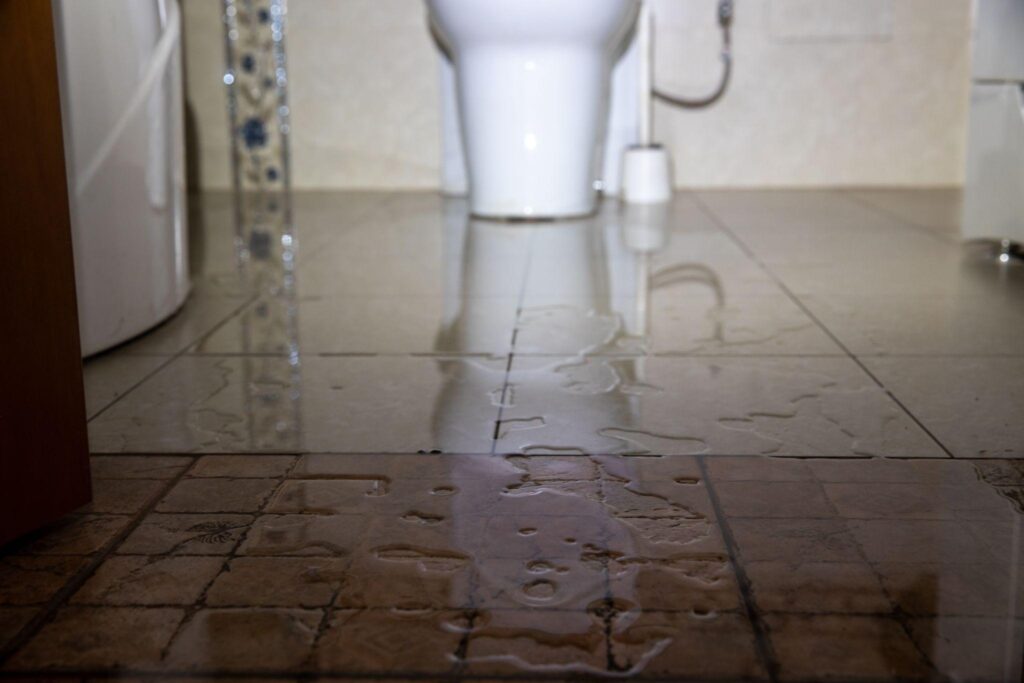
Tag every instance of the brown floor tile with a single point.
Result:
(383, 641)
(653, 499)
(817, 587)
(12, 620)
(952, 589)
(814, 648)
(1001, 472)
(123, 496)
(77, 535)
(684, 647)
(183, 534)
(217, 495)
(880, 500)
(243, 466)
(326, 496)
(331, 535)
(773, 499)
(944, 541)
(137, 466)
(136, 580)
(538, 641)
(408, 580)
(875, 470)
(545, 584)
(815, 540)
(971, 648)
(278, 582)
(33, 579)
(681, 469)
(245, 639)
(100, 637)
(758, 469)
(529, 537)
(675, 585)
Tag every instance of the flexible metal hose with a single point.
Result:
(725, 14)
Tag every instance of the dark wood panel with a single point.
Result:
(44, 460)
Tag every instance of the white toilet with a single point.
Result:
(533, 80)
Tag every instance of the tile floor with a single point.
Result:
(747, 436)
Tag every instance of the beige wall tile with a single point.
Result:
(871, 93)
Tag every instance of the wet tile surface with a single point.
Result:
(744, 436)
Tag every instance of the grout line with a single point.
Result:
(881, 211)
(71, 586)
(761, 636)
(789, 293)
(512, 348)
(172, 358)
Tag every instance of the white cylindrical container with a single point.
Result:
(121, 96)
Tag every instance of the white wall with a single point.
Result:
(825, 92)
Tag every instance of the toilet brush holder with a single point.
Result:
(646, 175)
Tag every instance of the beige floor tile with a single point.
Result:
(372, 582)
(565, 584)
(721, 406)
(185, 534)
(34, 579)
(110, 376)
(844, 647)
(218, 495)
(389, 641)
(100, 638)
(149, 581)
(243, 466)
(278, 582)
(259, 404)
(137, 466)
(972, 405)
(244, 639)
(817, 587)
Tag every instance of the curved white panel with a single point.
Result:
(121, 91)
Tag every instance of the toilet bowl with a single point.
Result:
(533, 80)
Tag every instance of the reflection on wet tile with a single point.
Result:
(973, 405)
(972, 648)
(807, 406)
(277, 581)
(345, 404)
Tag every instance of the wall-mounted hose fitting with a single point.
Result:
(725, 16)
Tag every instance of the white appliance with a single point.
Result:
(533, 80)
(994, 187)
(121, 97)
